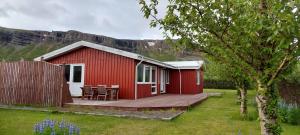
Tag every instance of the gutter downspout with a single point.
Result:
(179, 80)
(136, 78)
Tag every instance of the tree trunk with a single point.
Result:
(238, 94)
(243, 109)
(266, 99)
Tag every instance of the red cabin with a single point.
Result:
(138, 76)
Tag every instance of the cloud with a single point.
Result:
(115, 18)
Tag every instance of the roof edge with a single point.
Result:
(80, 44)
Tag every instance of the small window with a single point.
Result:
(77, 73)
(153, 74)
(140, 73)
(147, 74)
(167, 75)
(198, 77)
(67, 72)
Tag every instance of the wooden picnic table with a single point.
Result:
(110, 90)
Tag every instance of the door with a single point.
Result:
(162, 81)
(74, 74)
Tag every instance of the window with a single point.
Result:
(167, 75)
(77, 73)
(147, 74)
(140, 73)
(153, 74)
(198, 77)
(67, 72)
(153, 80)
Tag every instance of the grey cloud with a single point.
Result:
(3, 13)
(116, 18)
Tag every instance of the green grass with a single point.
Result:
(29, 52)
(215, 116)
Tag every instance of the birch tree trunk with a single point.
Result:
(267, 108)
(243, 101)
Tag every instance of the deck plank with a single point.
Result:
(166, 101)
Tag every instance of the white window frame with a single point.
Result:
(142, 73)
(153, 84)
(150, 76)
(144, 79)
(198, 77)
(167, 76)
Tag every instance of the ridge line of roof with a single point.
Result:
(116, 51)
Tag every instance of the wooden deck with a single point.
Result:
(161, 102)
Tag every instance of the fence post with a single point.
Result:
(62, 86)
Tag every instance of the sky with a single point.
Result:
(114, 18)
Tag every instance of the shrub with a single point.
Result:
(289, 113)
(51, 127)
(218, 84)
(293, 116)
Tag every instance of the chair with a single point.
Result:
(102, 92)
(115, 91)
(87, 92)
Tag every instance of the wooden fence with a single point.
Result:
(33, 83)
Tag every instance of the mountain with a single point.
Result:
(16, 44)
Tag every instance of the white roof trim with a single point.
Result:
(80, 44)
(186, 64)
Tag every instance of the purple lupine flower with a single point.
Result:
(71, 129)
(41, 128)
(52, 124)
(67, 128)
(62, 124)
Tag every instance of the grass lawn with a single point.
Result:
(215, 116)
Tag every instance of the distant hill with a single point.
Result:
(16, 44)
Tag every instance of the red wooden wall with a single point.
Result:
(103, 68)
(144, 90)
(188, 82)
(107, 68)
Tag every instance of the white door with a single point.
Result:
(162, 81)
(76, 78)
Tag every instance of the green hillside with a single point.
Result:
(15, 53)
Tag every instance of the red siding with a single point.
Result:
(107, 68)
(103, 68)
(144, 90)
(188, 82)
(173, 86)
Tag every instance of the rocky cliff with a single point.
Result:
(16, 40)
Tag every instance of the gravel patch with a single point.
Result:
(156, 115)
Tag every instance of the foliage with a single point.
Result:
(289, 113)
(161, 56)
(219, 84)
(293, 76)
(215, 71)
(51, 127)
(260, 38)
